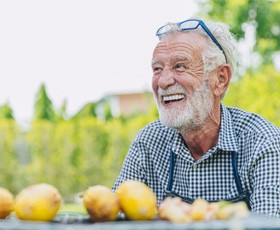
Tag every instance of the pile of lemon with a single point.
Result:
(41, 202)
(133, 198)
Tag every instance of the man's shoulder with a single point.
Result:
(244, 121)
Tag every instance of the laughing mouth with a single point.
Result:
(173, 98)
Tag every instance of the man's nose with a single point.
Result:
(166, 78)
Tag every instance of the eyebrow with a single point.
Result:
(173, 59)
(180, 58)
(154, 62)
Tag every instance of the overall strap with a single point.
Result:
(235, 173)
(172, 158)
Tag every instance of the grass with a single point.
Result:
(73, 207)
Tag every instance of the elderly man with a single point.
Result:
(200, 148)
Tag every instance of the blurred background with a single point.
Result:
(75, 81)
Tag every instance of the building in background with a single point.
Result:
(125, 104)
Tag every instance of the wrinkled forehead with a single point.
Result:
(181, 40)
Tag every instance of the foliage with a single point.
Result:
(107, 111)
(118, 143)
(263, 15)
(258, 92)
(9, 134)
(6, 112)
(72, 155)
(91, 147)
(88, 110)
(43, 108)
(61, 114)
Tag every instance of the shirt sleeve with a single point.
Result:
(132, 167)
(265, 196)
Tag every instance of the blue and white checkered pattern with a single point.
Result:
(256, 141)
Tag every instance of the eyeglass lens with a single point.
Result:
(189, 25)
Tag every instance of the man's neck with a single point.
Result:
(200, 140)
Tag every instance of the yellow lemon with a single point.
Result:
(101, 203)
(38, 202)
(137, 200)
(6, 203)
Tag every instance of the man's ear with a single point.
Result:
(223, 79)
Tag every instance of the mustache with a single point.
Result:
(172, 90)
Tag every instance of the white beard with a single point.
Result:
(188, 116)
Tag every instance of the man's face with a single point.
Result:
(183, 96)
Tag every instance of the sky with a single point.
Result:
(81, 50)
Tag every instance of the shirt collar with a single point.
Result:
(227, 137)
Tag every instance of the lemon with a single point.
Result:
(38, 202)
(137, 200)
(101, 203)
(6, 203)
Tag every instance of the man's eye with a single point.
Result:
(157, 69)
(180, 67)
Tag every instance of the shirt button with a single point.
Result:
(194, 166)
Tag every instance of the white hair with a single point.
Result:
(213, 56)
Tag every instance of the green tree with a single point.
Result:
(9, 163)
(43, 108)
(88, 110)
(118, 144)
(40, 138)
(107, 111)
(262, 15)
(62, 111)
(258, 92)
(62, 171)
(6, 112)
(91, 145)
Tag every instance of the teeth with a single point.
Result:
(173, 97)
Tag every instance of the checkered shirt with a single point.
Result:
(256, 141)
